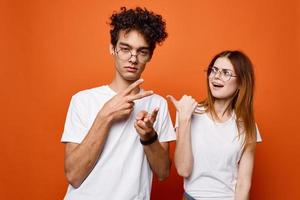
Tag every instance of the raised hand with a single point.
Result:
(121, 105)
(144, 124)
(185, 106)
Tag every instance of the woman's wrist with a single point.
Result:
(184, 118)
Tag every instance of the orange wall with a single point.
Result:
(51, 49)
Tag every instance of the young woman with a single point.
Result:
(216, 138)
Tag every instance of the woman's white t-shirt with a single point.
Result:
(216, 150)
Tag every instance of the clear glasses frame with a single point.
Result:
(225, 74)
(126, 54)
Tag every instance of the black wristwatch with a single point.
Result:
(150, 141)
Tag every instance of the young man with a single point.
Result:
(117, 134)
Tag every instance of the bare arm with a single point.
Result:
(158, 157)
(81, 158)
(157, 153)
(245, 173)
(183, 152)
(183, 157)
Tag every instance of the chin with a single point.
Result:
(222, 96)
(131, 77)
(219, 96)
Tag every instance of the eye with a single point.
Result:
(227, 72)
(144, 53)
(214, 70)
(124, 49)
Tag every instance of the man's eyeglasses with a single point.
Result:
(125, 54)
(225, 74)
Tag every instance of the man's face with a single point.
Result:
(131, 55)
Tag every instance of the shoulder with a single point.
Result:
(84, 94)
(200, 109)
(157, 99)
(200, 116)
(87, 95)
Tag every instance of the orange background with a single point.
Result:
(52, 49)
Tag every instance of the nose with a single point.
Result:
(133, 58)
(218, 74)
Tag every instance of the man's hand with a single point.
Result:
(121, 105)
(144, 124)
(157, 153)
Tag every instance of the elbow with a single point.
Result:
(164, 175)
(73, 180)
(184, 169)
(185, 173)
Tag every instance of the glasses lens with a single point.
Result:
(226, 75)
(124, 54)
(211, 72)
(143, 58)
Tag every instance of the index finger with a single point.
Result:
(153, 115)
(132, 86)
(140, 95)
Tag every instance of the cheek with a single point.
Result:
(141, 67)
(209, 85)
(118, 64)
(232, 87)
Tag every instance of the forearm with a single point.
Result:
(81, 160)
(158, 158)
(243, 185)
(183, 152)
(242, 192)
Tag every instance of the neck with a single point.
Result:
(220, 106)
(120, 84)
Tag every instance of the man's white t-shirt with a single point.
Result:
(216, 150)
(122, 171)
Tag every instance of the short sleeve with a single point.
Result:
(163, 124)
(176, 121)
(258, 136)
(75, 128)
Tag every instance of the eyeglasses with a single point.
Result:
(125, 54)
(225, 74)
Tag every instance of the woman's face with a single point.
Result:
(222, 79)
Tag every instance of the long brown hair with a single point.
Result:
(242, 101)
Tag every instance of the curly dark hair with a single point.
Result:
(150, 25)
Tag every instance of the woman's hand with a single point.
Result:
(185, 106)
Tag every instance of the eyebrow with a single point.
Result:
(223, 69)
(140, 48)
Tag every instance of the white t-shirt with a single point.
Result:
(122, 171)
(216, 151)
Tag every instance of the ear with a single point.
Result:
(111, 49)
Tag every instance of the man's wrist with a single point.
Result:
(105, 118)
(149, 141)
